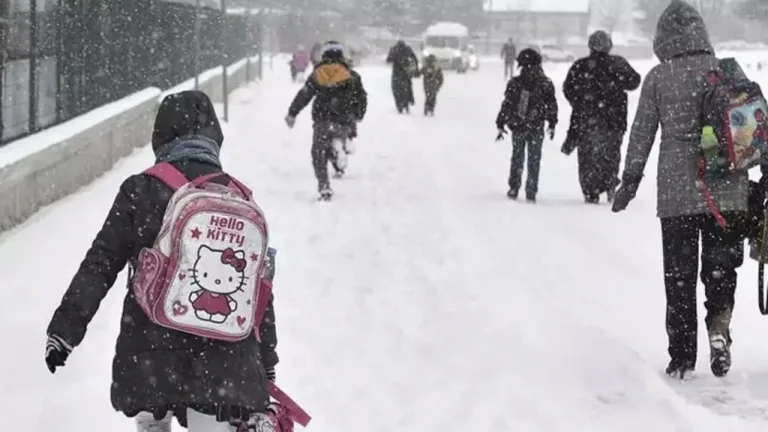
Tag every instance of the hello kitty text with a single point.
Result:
(225, 229)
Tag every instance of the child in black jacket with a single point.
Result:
(433, 81)
(529, 101)
(158, 372)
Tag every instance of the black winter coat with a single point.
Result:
(404, 65)
(596, 87)
(338, 92)
(433, 79)
(542, 105)
(156, 369)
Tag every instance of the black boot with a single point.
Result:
(680, 370)
(720, 344)
(512, 194)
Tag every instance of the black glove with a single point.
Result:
(502, 133)
(271, 375)
(57, 351)
(626, 192)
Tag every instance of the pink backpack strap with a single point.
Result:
(233, 183)
(297, 413)
(168, 174)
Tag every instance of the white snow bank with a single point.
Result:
(46, 166)
(17, 150)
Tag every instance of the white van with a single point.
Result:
(448, 42)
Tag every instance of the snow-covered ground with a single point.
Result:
(421, 299)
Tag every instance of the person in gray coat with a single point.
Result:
(672, 96)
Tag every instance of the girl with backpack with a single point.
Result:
(672, 96)
(529, 101)
(433, 81)
(210, 384)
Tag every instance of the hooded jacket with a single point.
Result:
(543, 104)
(596, 87)
(156, 369)
(338, 93)
(671, 96)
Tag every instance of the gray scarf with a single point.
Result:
(196, 148)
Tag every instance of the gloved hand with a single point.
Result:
(551, 132)
(271, 375)
(57, 350)
(290, 120)
(353, 131)
(502, 133)
(626, 192)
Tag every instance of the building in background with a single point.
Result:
(545, 21)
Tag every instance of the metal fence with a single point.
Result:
(62, 58)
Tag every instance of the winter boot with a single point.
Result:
(326, 193)
(339, 155)
(531, 199)
(512, 194)
(592, 199)
(680, 370)
(720, 344)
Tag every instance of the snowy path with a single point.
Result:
(421, 298)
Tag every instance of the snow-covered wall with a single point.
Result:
(42, 168)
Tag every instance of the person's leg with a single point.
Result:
(586, 173)
(534, 141)
(680, 242)
(199, 422)
(321, 144)
(722, 252)
(516, 165)
(145, 422)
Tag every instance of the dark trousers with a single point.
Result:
(429, 101)
(722, 252)
(322, 150)
(530, 141)
(599, 158)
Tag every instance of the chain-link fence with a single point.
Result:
(61, 58)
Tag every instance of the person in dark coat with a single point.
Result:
(509, 54)
(157, 371)
(596, 87)
(529, 101)
(433, 81)
(340, 102)
(405, 65)
(671, 97)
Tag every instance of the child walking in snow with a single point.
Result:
(433, 81)
(529, 101)
(209, 384)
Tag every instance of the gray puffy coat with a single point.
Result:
(672, 96)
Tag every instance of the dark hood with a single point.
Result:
(680, 31)
(184, 114)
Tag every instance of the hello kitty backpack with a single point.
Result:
(204, 273)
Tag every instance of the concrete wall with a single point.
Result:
(42, 168)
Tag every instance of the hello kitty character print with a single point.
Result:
(219, 274)
(203, 275)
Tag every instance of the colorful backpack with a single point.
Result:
(735, 131)
(204, 275)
